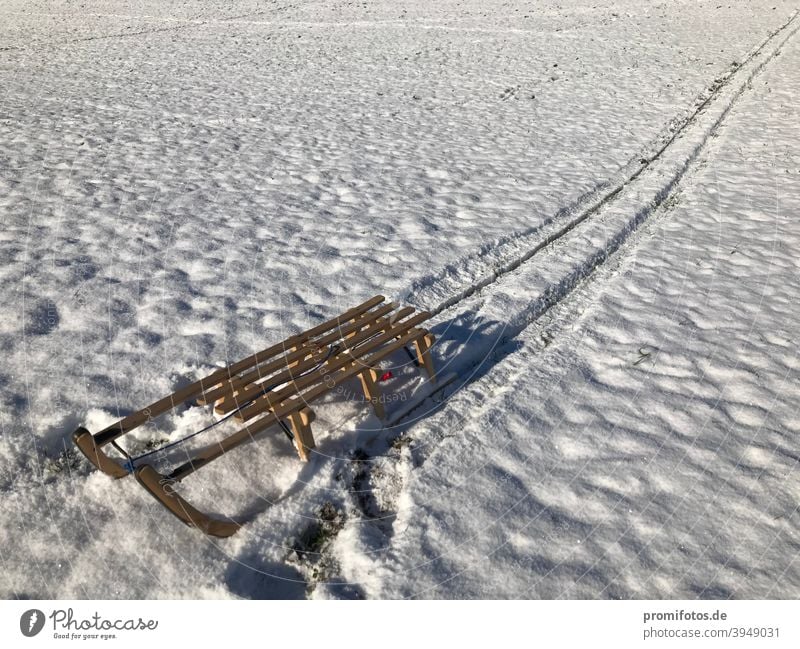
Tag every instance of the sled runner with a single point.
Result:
(274, 387)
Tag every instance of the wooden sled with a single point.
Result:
(272, 387)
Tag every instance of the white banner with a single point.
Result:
(389, 624)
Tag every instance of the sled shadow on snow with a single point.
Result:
(251, 577)
(465, 347)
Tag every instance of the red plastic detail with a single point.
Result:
(386, 376)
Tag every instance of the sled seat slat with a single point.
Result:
(136, 419)
(349, 357)
(289, 407)
(274, 386)
(297, 362)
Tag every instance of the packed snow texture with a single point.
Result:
(597, 200)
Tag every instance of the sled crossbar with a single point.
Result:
(275, 386)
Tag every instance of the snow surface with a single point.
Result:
(597, 201)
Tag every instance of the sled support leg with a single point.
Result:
(277, 385)
(301, 427)
(423, 346)
(161, 488)
(372, 392)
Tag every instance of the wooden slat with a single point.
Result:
(294, 374)
(299, 357)
(285, 409)
(341, 360)
(127, 424)
(349, 371)
(264, 371)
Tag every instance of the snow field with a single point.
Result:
(182, 187)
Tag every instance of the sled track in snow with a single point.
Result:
(559, 257)
(597, 227)
(619, 207)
